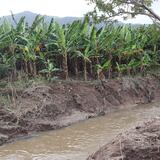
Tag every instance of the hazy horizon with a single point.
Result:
(61, 8)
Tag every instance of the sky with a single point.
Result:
(60, 8)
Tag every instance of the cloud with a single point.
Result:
(61, 8)
(49, 7)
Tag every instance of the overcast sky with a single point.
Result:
(61, 8)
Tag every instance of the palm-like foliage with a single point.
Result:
(78, 47)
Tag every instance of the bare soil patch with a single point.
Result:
(139, 143)
(52, 106)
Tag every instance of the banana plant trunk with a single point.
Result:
(119, 74)
(31, 67)
(129, 71)
(109, 73)
(85, 70)
(91, 69)
(26, 67)
(97, 60)
(76, 68)
(14, 67)
(110, 68)
(65, 65)
(34, 68)
(100, 75)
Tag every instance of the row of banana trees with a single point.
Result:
(77, 49)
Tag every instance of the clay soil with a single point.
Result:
(139, 143)
(53, 106)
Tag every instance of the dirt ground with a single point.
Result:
(56, 105)
(139, 143)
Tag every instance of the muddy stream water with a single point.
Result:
(76, 142)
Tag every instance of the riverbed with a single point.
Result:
(79, 140)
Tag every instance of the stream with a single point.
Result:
(78, 141)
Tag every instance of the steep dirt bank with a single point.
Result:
(139, 143)
(46, 107)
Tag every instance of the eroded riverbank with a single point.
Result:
(53, 106)
(79, 140)
(139, 143)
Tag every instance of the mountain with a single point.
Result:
(30, 16)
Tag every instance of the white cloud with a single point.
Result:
(61, 8)
(49, 7)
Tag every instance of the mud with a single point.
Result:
(139, 143)
(56, 105)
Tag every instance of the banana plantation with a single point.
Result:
(78, 51)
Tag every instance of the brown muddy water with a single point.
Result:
(79, 140)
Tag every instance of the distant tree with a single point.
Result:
(109, 9)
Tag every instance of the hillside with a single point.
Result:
(30, 16)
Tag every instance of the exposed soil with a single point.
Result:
(47, 107)
(139, 143)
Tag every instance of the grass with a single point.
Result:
(21, 84)
(9, 90)
(24, 82)
(5, 100)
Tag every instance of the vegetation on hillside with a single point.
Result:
(76, 50)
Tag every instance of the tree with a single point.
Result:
(10, 42)
(32, 37)
(50, 68)
(83, 45)
(108, 9)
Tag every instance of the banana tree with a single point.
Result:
(10, 42)
(152, 46)
(108, 45)
(84, 45)
(96, 38)
(73, 36)
(121, 68)
(102, 68)
(133, 65)
(49, 70)
(33, 36)
(61, 45)
(85, 55)
(145, 62)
